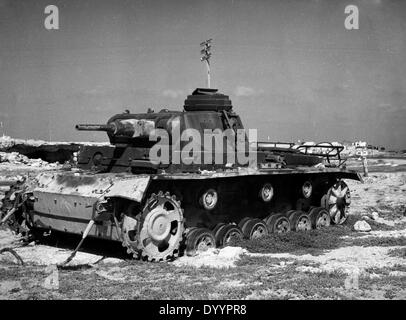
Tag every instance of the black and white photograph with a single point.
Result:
(202, 153)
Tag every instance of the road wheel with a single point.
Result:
(319, 217)
(226, 233)
(277, 223)
(254, 229)
(199, 240)
(299, 221)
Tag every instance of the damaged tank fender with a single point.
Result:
(66, 202)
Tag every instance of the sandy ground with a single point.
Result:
(368, 270)
(378, 165)
(349, 260)
(44, 255)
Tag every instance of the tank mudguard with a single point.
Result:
(66, 202)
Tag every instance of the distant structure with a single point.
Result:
(360, 144)
(206, 54)
(361, 148)
(357, 148)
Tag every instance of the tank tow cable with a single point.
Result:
(15, 254)
(101, 215)
(85, 233)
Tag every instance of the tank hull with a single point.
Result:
(67, 201)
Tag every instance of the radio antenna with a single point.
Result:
(206, 54)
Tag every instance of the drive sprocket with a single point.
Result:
(155, 234)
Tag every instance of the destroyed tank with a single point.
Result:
(160, 209)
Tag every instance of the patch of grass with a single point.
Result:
(401, 252)
(378, 242)
(375, 226)
(296, 242)
(257, 278)
(390, 294)
(322, 285)
(400, 226)
(284, 281)
(387, 270)
(316, 241)
(260, 278)
(387, 282)
(389, 212)
(399, 267)
(351, 220)
(154, 281)
(31, 278)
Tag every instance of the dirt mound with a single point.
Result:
(16, 158)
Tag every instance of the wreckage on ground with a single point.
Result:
(160, 210)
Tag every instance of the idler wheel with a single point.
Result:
(199, 240)
(226, 233)
(254, 229)
(277, 223)
(319, 217)
(337, 202)
(299, 221)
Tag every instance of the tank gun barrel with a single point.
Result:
(125, 127)
(95, 127)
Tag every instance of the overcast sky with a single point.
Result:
(291, 68)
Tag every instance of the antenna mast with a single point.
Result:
(206, 54)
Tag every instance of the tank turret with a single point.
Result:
(205, 109)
